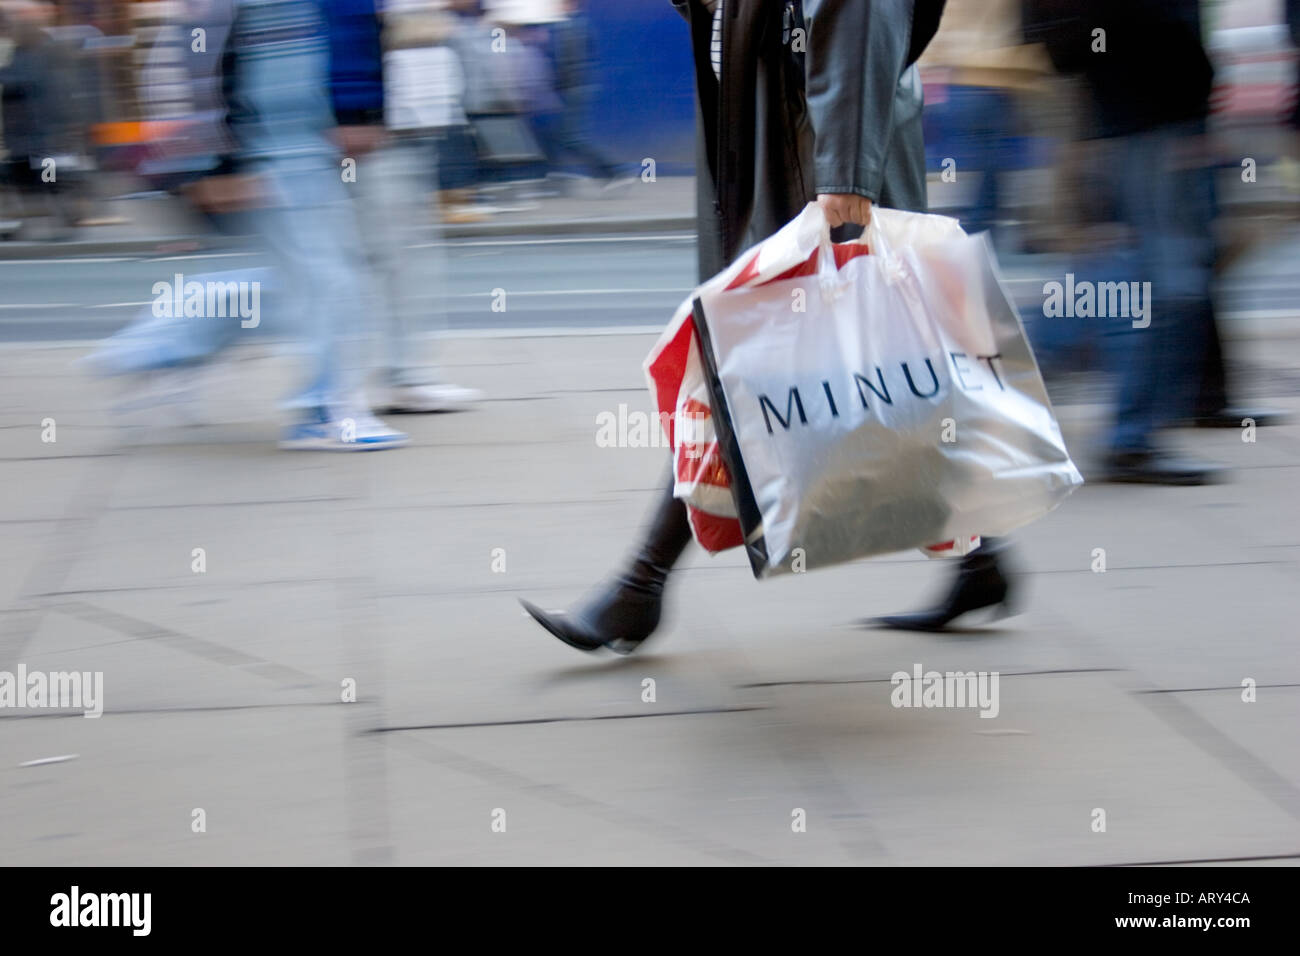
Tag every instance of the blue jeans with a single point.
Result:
(1165, 195)
(314, 294)
(304, 216)
(978, 125)
(392, 207)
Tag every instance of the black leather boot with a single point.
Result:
(625, 611)
(980, 583)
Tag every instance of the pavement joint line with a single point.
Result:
(50, 567)
(232, 585)
(1239, 761)
(883, 559)
(89, 647)
(1236, 759)
(444, 506)
(529, 721)
(507, 399)
(887, 680)
(804, 762)
(1214, 859)
(639, 387)
(1194, 690)
(147, 711)
(367, 792)
(733, 569)
(231, 504)
(199, 647)
(106, 454)
(364, 760)
(572, 801)
(1157, 567)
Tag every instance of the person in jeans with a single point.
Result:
(390, 106)
(1154, 171)
(281, 173)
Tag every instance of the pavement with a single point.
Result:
(398, 573)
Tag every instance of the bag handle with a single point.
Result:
(828, 271)
(874, 236)
(880, 245)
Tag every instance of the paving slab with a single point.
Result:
(395, 577)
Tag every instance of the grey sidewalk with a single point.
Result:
(1120, 690)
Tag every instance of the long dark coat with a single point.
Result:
(834, 109)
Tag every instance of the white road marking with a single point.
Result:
(44, 760)
(442, 244)
(510, 292)
(202, 255)
(78, 260)
(541, 331)
(452, 243)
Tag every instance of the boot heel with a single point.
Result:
(1005, 608)
(979, 586)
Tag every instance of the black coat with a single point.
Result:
(1154, 69)
(840, 115)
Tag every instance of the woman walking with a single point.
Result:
(796, 101)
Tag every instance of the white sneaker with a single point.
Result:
(423, 399)
(318, 430)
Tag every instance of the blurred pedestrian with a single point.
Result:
(40, 133)
(1154, 170)
(574, 71)
(426, 88)
(531, 79)
(389, 108)
(503, 141)
(1291, 163)
(985, 68)
(283, 172)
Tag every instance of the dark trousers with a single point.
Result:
(1170, 369)
(565, 133)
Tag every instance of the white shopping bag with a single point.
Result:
(857, 399)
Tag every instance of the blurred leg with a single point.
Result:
(409, 284)
(1166, 199)
(393, 212)
(571, 136)
(309, 225)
